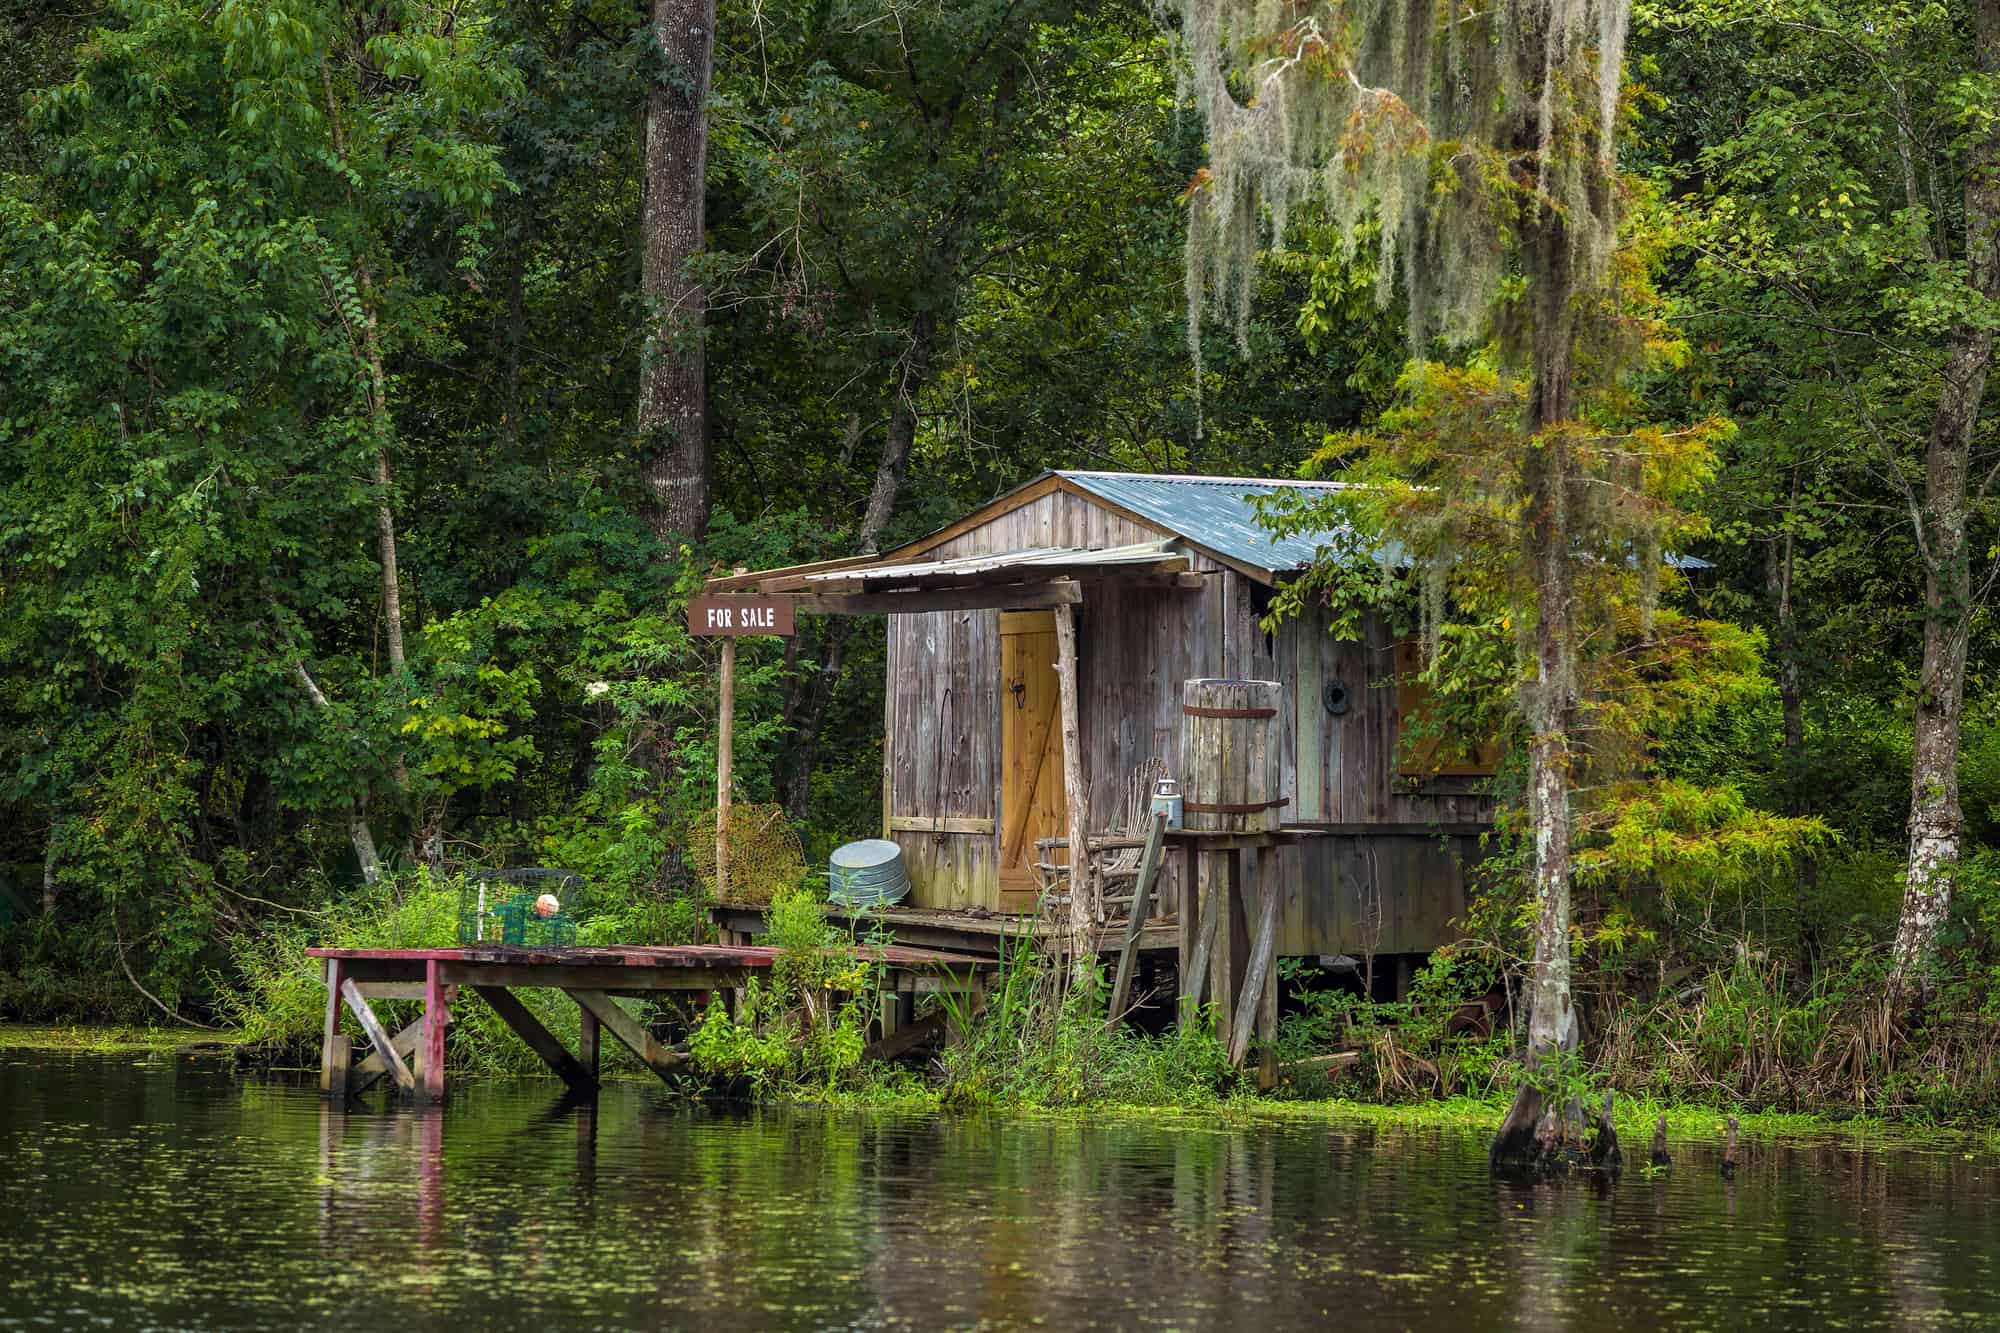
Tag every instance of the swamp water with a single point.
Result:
(155, 1191)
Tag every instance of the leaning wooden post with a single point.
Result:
(437, 1015)
(1082, 912)
(385, 1046)
(725, 747)
(1142, 893)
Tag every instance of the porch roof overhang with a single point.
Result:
(1013, 580)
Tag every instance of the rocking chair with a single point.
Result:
(1114, 856)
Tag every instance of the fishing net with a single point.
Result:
(764, 853)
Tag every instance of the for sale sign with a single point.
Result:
(733, 615)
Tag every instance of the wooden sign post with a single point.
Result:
(729, 617)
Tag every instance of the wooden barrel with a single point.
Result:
(1230, 756)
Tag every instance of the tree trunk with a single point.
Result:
(673, 407)
(1785, 650)
(912, 374)
(382, 427)
(1936, 823)
(49, 859)
(515, 332)
(1551, 695)
(392, 589)
(357, 825)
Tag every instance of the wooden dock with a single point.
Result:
(977, 934)
(413, 1057)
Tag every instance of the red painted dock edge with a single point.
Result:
(631, 955)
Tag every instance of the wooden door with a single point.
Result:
(1031, 757)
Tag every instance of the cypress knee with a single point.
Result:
(1604, 1153)
(1660, 1157)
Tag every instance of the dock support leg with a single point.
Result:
(437, 1016)
(540, 1040)
(892, 1013)
(1207, 885)
(1269, 860)
(335, 1060)
(1259, 991)
(1231, 945)
(408, 1043)
(335, 1051)
(587, 1041)
(357, 1003)
(601, 1013)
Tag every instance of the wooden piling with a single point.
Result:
(333, 1063)
(1082, 899)
(587, 1042)
(437, 1015)
(335, 1059)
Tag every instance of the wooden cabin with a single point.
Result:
(1164, 578)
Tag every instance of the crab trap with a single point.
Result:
(526, 908)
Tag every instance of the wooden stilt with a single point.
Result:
(1259, 970)
(604, 1012)
(357, 1003)
(335, 1060)
(1142, 894)
(1232, 944)
(437, 1016)
(725, 759)
(908, 1037)
(332, 1066)
(1082, 894)
(891, 1013)
(1208, 892)
(1267, 1000)
(587, 1041)
(540, 1040)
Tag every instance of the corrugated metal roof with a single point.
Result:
(1220, 513)
(1060, 557)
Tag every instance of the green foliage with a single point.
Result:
(1441, 1041)
(188, 496)
(1042, 1042)
(790, 1032)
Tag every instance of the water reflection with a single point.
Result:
(162, 1192)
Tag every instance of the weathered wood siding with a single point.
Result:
(1345, 765)
(943, 761)
(1354, 889)
(942, 709)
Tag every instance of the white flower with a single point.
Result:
(597, 689)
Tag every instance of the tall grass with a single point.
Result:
(1043, 1041)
